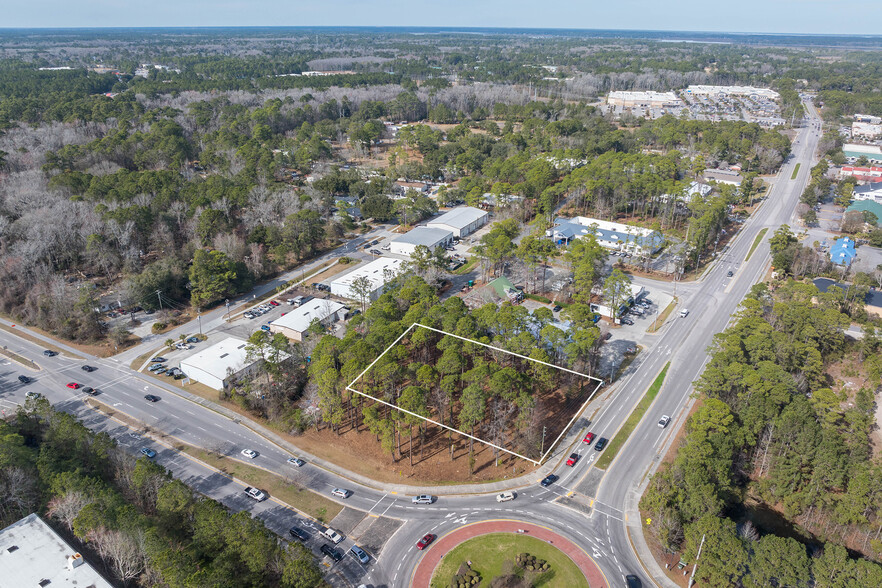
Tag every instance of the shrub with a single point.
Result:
(158, 327)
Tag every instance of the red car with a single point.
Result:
(424, 542)
(574, 457)
(274, 303)
(588, 438)
(73, 385)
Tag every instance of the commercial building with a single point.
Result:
(220, 365)
(842, 252)
(865, 130)
(870, 206)
(862, 174)
(870, 192)
(378, 273)
(32, 554)
(615, 236)
(461, 221)
(295, 324)
(407, 243)
(722, 91)
(867, 118)
(723, 176)
(854, 151)
(872, 301)
(644, 100)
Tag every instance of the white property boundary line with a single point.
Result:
(550, 447)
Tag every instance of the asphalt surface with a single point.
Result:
(591, 508)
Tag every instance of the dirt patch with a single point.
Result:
(337, 268)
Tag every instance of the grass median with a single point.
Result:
(619, 440)
(489, 554)
(756, 243)
(795, 171)
(660, 320)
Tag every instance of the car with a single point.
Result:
(684, 313)
(155, 367)
(73, 385)
(588, 438)
(632, 581)
(424, 542)
(171, 372)
(601, 443)
(423, 499)
(151, 398)
(149, 453)
(50, 353)
(574, 457)
(332, 535)
(505, 497)
(557, 308)
(359, 554)
(274, 303)
(376, 252)
(183, 346)
(33, 395)
(248, 315)
(296, 462)
(334, 554)
(627, 321)
(729, 274)
(548, 480)
(158, 360)
(161, 370)
(298, 533)
(608, 336)
(88, 390)
(264, 328)
(341, 492)
(663, 422)
(256, 494)
(355, 312)
(88, 368)
(249, 453)
(24, 379)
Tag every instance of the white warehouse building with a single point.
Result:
(295, 324)
(407, 243)
(461, 221)
(378, 273)
(218, 365)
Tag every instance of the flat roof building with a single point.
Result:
(610, 235)
(219, 365)
(32, 554)
(722, 176)
(870, 192)
(378, 273)
(461, 221)
(854, 151)
(644, 99)
(702, 90)
(407, 243)
(295, 324)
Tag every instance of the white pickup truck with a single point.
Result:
(256, 493)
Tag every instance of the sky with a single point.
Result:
(761, 16)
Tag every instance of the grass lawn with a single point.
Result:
(19, 359)
(756, 243)
(795, 171)
(616, 443)
(657, 323)
(488, 552)
(139, 361)
(467, 266)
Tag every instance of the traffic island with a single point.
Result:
(496, 549)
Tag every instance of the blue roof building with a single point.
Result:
(842, 252)
(615, 236)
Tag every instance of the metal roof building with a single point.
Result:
(219, 364)
(378, 272)
(461, 221)
(295, 323)
(32, 554)
(407, 243)
(608, 234)
(842, 252)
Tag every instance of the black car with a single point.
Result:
(24, 379)
(158, 360)
(601, 443)
(729, 274)
(88, 390)
(632, 581)
(151, 398)
(549, 480)
(627, 321)
(88, 368)
(299, 533)
(334, 554)
(557, 308)
(50, 353)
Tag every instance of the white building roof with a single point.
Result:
(301, 317)
(216, 360)
(32, 554)
(375, 271)
(460, 217)
(424, 236)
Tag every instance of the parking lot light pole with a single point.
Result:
(199, 319)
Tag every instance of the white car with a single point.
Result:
(505, 497)
(341, 492)
(684, 313)
(663, 422)
(249, 453)
(296, 461)
(332, 536)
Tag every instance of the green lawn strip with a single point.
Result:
(656, 325)
(466, 267)
(616, 443)
(282, 486)
(19, 359)
(756, 243)
(795, 171)
(139, 361)
(488, 552)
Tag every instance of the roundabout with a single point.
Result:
(432, 560)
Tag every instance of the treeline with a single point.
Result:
(147, 528)
(495, 395)
(776, 428)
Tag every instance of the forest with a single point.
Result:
(131, 519)
(783, 423)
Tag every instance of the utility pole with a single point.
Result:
(228, 309)
(199, 319)
(159, 297)
(695, 567)
(542, 451)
